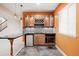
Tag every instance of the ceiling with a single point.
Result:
(38, 7)
(30, 7)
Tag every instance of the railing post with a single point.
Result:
(11, 46)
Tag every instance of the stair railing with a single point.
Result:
(3, 25)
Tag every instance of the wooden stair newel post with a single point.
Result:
(11, 46)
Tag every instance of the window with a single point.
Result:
(67, 20)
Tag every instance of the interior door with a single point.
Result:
(29, 40)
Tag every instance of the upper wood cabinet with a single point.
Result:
(31, 18)
(29, 21)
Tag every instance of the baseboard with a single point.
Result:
(61, 50)
(18, 51)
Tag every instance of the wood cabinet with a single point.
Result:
(28, 20)
(44, 39)
(39, 39)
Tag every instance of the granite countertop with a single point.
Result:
(39, 30)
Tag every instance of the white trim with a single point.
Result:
(18, 51)
(61, 50)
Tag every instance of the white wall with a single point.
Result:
(13, 23)
(4, 47)
(14, 27)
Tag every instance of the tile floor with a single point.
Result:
(39, 51)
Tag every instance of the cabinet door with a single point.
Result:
(31, 21)
(46, 21)
(39, 39)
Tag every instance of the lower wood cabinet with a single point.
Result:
(44, 39)
(39, 39)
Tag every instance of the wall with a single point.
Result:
(13, 23)
(69, 45)
(14, 28)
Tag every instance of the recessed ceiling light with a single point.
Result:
(21, 5)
